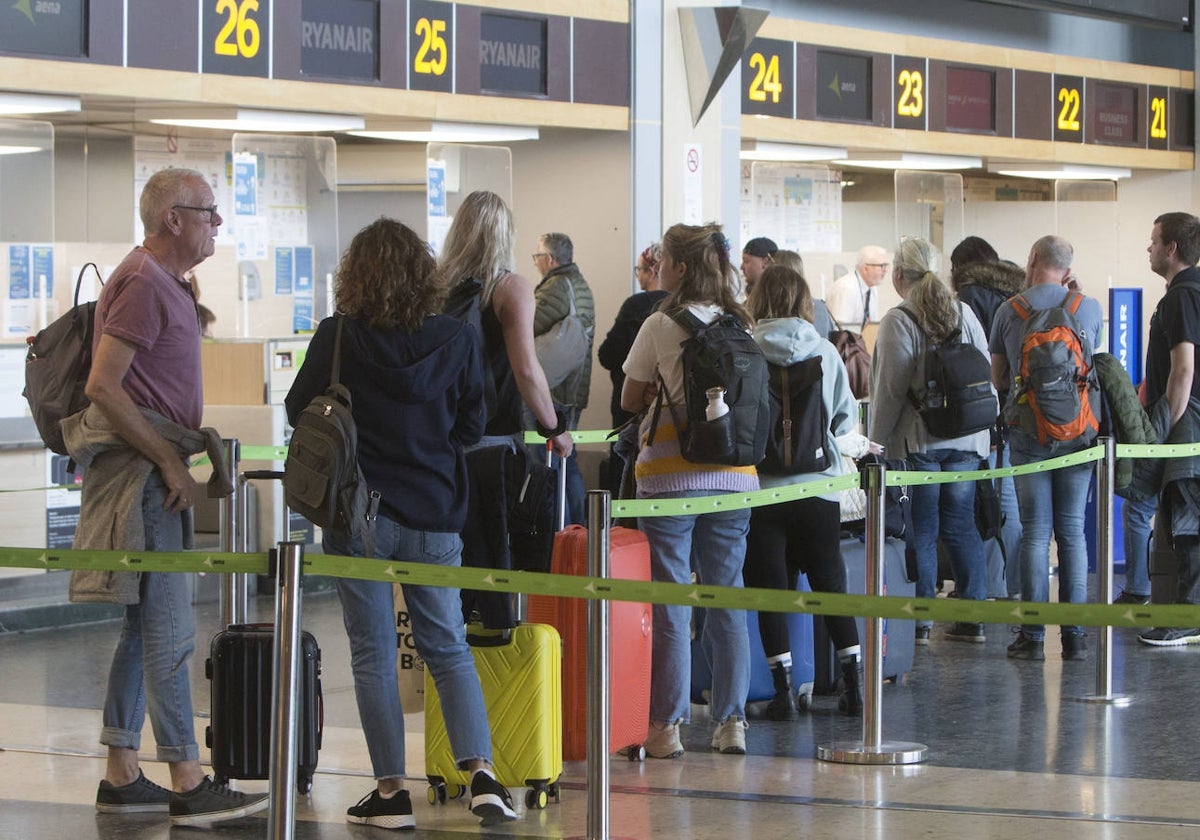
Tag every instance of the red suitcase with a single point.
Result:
(629, 646)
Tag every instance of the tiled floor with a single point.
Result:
(1011, 754)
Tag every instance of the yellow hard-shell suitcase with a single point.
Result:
(520, 671)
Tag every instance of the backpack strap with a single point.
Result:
(1072, 301)
(787, 416)
(1020, 305)
(687, 319)
(335, 373)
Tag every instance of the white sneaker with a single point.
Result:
(730, 737)
(664, 743)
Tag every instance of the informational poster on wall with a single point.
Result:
(29, 305)
(800, 207)
(303, 319)
(210, 157)
(693, 184)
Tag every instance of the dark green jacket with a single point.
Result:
(1130, 423)
(553, 305)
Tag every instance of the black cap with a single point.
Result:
(760, 246)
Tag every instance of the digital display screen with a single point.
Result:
(1114, 114)
(970, 99)
(844, 86)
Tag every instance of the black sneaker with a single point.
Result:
(383, 812)
(209, 802)
(1170, 636)
(490, 800)
(966, 631)
(1026, 648)
(1074, 647)
(1127, 597)
(141, 796)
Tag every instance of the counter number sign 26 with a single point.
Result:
(239, 34)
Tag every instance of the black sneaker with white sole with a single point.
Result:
(490, 800)
(393, 811)
(209, 802)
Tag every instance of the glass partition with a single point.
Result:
(455, 171)
(26, 181)
(930, 205)
(283, 219)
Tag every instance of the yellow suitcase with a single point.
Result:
(520, 671)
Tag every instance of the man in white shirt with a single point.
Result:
(853, 299)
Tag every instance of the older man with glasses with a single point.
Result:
(853, 299)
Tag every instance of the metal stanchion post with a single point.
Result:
(598, 513)
(233, 604)
(285, 693)
(1105, 481)
(873, 749)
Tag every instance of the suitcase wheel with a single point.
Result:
(220, 779)
(637, 752)
(537, 798)
(304, 783)
(804, 702)
(439, 791)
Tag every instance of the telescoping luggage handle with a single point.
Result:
(560, 495)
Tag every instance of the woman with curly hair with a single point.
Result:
(698, 277)
(416, 380)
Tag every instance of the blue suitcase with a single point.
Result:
(898, 635)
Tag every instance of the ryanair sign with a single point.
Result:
(340, 38)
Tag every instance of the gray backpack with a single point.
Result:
(321, 477)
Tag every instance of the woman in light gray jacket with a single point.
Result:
(929, 315)
(802, 535)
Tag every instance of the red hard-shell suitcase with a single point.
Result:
(630, 641)
(240, 669)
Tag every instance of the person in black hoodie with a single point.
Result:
(416, 380)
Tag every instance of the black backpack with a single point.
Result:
(463, 303)
(57, 367)
(322, 480)
(958, 399)
(720, 355)
(799, 420)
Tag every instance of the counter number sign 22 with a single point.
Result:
(239, 34)
(431, 55)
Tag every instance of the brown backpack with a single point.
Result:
(853, 349)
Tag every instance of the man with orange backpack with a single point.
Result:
(1041, 345)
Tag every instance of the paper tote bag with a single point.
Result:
(563, 348)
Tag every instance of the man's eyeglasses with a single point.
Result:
(539, 254)
(878, 265)
(211, 211)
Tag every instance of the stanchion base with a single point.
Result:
(1117, 700)
(888, 752)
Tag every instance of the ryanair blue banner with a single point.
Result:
(1125, 329)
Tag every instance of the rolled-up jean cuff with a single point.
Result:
(121, 739)
(462, 763)
(182, 752)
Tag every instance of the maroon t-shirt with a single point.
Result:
(146, 305)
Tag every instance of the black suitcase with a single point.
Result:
(240, 667)
(898, 635)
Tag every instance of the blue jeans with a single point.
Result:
(440, 637)
(1052, 500)
(1011, 532)
(149, 670)
(1135, 522)
(719, 544)
(947, 511)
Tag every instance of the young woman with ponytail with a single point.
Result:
(697, 275)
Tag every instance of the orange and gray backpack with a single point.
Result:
(1056, 393)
